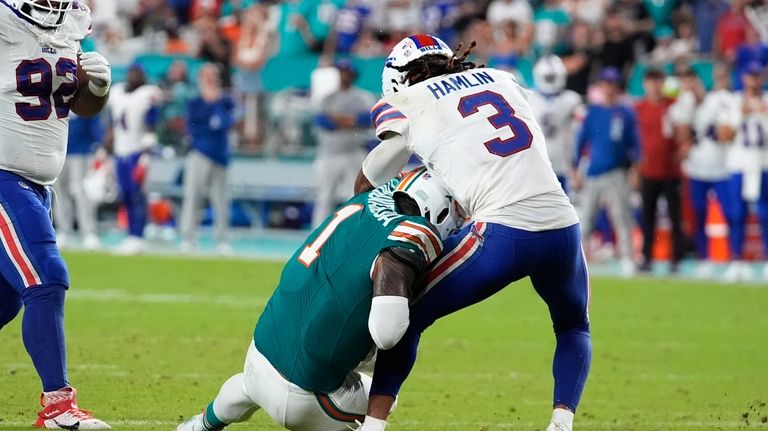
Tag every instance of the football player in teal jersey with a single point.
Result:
(344, 292)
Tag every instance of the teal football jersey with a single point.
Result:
(314, 329)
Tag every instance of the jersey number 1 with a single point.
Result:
(504, 117)
(312, 251)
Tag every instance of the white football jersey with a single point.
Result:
(477, 132)
(558, 115)
(129, 112)
(38, 76)
(706, 160)
(749, 150)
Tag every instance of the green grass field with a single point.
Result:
(150, 340)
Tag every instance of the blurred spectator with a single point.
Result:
(731, 31)
(400, 15)
(209, 118)
(659, 167)
(439, 19)
(579, 57)
(609, 132)
(322, 17)
(343, 129)
(177, 91)
(481, 32)
(347, 29)
(519, 11)
(214, 48)
(752, 51)
(252, 52)
(747, 119)
(705, 161)
(591, 12)
(557, 111)
(551, 21)
(757, 13)
(706, 14)
(85, 136)
(617, 50)
(638, 23)
(509, 47)
(368, 45)
(671, 47)
(293, 32)
(175, 44)
(134, 109)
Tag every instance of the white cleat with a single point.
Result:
(224, 249)
(60, 411)
(559, 426)
(627, 268)
(704, 270)
(62, 241)
(91, 242)
(195, 423)
(187, 247)
(738, 271)
(765, 271)
(132, 245)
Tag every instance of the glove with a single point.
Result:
(97, 69)
(139, 173)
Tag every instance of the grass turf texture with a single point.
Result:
(150, 339)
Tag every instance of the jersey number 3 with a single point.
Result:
(34, 78)
(504, 117)
(312, 251)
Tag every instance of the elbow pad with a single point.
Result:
(388, 320)
(386, 160)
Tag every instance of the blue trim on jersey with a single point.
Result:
(377, 110)
(384, 118)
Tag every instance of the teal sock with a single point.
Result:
(210, 421)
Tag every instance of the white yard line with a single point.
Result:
(119, 295)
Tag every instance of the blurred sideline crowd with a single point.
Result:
(677, 167)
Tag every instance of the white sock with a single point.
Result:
(373, 424)
(562, 415)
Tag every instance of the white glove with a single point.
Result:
(97, 69)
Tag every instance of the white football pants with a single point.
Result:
(262, 386)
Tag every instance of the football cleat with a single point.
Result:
(132, 245)
(60, 411)
(559, 426)
(195, 423)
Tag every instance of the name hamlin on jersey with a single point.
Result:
(459, 82)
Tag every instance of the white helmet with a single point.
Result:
(48, 14)
(407, 50)
(435, 203)
(550, 74)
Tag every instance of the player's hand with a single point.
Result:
(97, 69)
(139, 173)
(578, 183)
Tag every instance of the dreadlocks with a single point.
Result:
(432, 65)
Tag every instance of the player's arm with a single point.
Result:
(92, 95)
(395, 273)
(385, 162)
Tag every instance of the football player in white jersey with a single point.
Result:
(474, 128)
(747, 122)
(134, 110)
(695, 122)
(43, 75)
(557, 110)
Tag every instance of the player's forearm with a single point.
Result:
(386, 161)
(86, 104)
